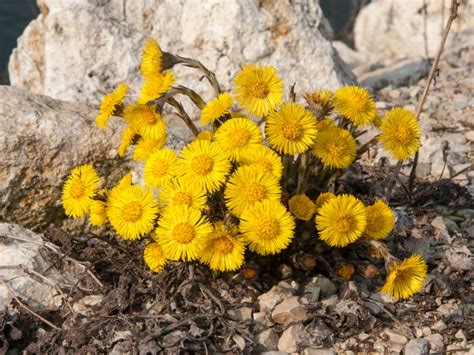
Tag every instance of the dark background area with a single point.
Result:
(16, 14)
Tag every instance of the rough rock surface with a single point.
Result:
(78, 50)
(20, 256)
(395, 29)
(41, 139)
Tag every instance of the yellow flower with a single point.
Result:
(131, 210)
(265, 159)
(152, 59)
(258, 89)
(124, 182)
(301, 207)
(380, 220)
(400, 133)
(324, 124)
(97, 213)
(155, 86)
(405, 278)
(292, 129)
(127, 139)
(159, 167)
(267, 226)
(248, 186)
(335, 147)
(223, 250)
(109, 104)
(237, 137)
(216, 108)
(79, 188)
(356, 104)
(345, 271)
(178, 193)
(145, 120)
(147, 146)
(154, 257)
(204, 136)
(320, 102)
(203, 164)
(322, 199)
(181, 232)
(341, 220)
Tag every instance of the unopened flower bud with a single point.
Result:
(345, 271)
(371, 272)
(249, 272)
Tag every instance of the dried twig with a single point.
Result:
(453, 13)
(26, 308)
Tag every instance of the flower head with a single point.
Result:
(301, 207)
(320, 102)
(181, 232)
(79, 188)
(147, 146)
(265, 159)
(356, 104)
(267, 227)
(216, 108)
(292, 129)
(203, 164)
(159, 167)
(223, 249)
(322, 199)
(258, 89)
(97, 214)
(152, 59)
(324, 124)
(145, 120)
(155, 86)
(177, 193)
(380, 220)
(109, 104)
(406, 278)
(345, 271)
(131, 210)
(154, 257)
(237, 137)
(335, 147)
(248, 186)
(400, 133)
(341, 220)
(127, 138)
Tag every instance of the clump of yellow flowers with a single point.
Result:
(259, 171)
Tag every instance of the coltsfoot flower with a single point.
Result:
(178, 193)
(356, 104)
(380, 220)
(159, 167)
(405, 278)
(79, 188)
(154, 257)
(216, 108)
(301, 207)
(335, 147)
(265, 159)
(109, 104)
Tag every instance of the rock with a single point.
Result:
(385, 30)
(326, 286)
(436, 343)
(291, 337)
(240, 341)
(459, 257)
(439, 326)
(241, 314)
(41, 140)
(402, 73)
(288, 311)
(21, 254)
(80, 60)
(351, 57)
(270, 299)
(417, 347)
(395, 337)
(449, 309)
(267, 340)
(311, 351)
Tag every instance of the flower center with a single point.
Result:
(223, 245)
(402, 135)
(202, 164)
(334, 150)
(149, 117)
(132, 212)
(182, 198)
(374, 221)
(160, 168)
(358, 103)
(78, 188)
(265, 165)
(292, 130)
(254, 192)
(259, 90)
(239, 137)
(183, 233)
(344, 223)
(268, 229)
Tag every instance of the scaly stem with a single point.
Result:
(391, 179)
(184, 116)
(210, 76)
